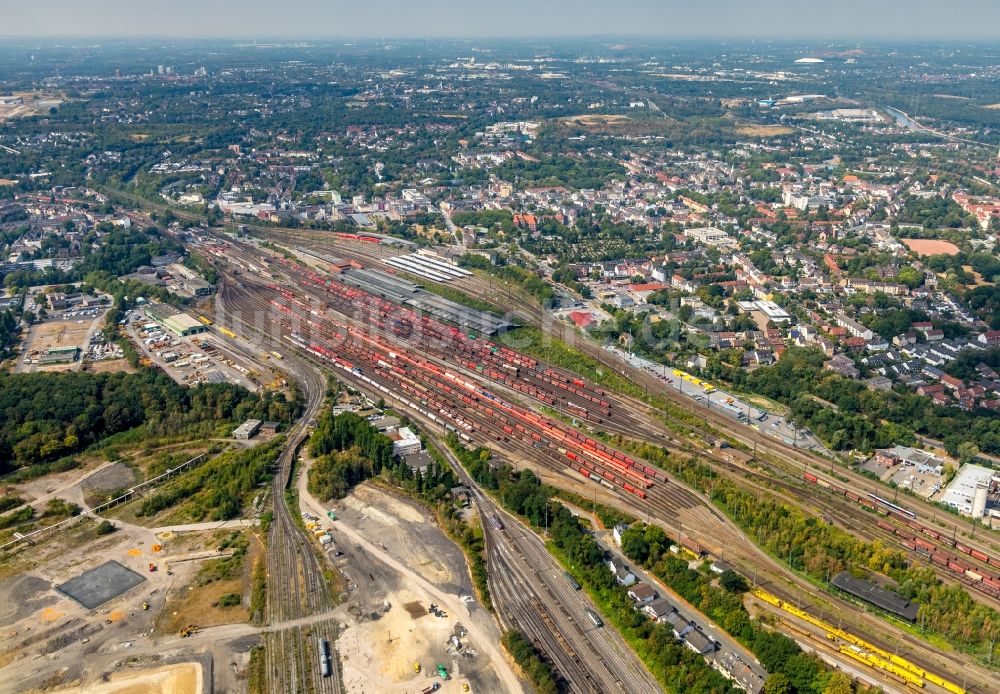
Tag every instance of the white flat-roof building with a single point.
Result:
(771, 310)
(710, 236)
(961, 493)
(405, 442)
(246, 430)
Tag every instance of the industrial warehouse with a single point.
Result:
(412, 295)
(181, 324)
(428, 267)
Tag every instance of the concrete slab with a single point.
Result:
(95, 587)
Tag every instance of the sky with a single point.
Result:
(895, 19)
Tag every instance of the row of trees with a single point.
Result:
(8, 331)
(790, 669)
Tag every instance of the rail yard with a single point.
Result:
(780, 458)
(460, 380)
(532, 595)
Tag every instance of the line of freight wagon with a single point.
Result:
(631, 486)
(981, 580)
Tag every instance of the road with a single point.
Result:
(455, 231)
(728, 646)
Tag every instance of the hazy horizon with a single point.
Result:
(315, 19)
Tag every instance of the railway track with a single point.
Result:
(708, 522)
(532, 596)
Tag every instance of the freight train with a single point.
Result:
(450, 345)
(975, 577)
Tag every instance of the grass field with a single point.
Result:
(110, 366)
(764, 130)
(931, 246)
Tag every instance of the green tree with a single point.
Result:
(733, 582)
(967, 452)
(839, 683)
(778, 683)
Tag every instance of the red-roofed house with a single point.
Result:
(647, 287)
(952, 382)
(991, 337)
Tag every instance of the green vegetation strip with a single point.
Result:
(531, 662)
(219, 489)
(648, 546)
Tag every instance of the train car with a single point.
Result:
(939, 559)
(594, 617)
(497, 523)
(886, 526)
(324, 657)
(634, 491)
(571, 580)
(204, 320)
(891, 506)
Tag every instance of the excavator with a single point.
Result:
(188, 630)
